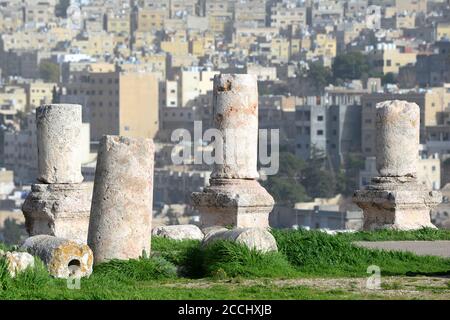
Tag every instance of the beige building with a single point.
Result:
(13, 98)
(6, 182)
(94, 44)
(386, 58)
(250, 13)
(194, 83)
(405, 20)
(288, 17)
(150, 19)
(417, 6)
(121, 103)
(443, 31)
(39, 93)
(118, 23)
(39, 13)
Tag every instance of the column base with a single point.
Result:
(399, 203)
(238, 203)
(60, 210)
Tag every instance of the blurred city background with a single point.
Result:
(145, 67)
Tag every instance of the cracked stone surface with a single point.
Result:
(179, 232)
(63, 258)
(121, 212)
(395, 199)
(59, 143)
(17, 261)
(397, 138)
(234, 197)
(234, 202)
(60, 210)
(253, 238)
(235, 114)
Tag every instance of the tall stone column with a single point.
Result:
(59, 204)
(395, 200)
(234, 197)
(121, 211)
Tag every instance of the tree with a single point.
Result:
(348, 176)
(350, 66)
(318, 182)
(319, 75)
(49, 71)
(389, 78)
(286, 186)
(13, 232)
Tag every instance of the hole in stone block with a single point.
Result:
(74, 263)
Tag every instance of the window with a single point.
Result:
(320, 132)
(319, 118)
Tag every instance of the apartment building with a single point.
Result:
(120, 103)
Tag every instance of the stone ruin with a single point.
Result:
(395, 199)
(59, 204)
(61, 218)
(121, 214)
(234, 196)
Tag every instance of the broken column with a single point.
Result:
(395, 199)
(59, 204)
(59, 143)
(63, 258)
(121, 212)
(234, 197)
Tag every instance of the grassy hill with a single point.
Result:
(309, 265)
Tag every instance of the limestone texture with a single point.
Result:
(63, 258)
(234, 202)
(60, 210)
(121, 211)
(18, 261)
(235, 114)
(59, 143)
(179, 232)
(397, 138)
(395, 199)
(234, 197)
(253, 238)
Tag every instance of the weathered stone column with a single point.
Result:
(397, 138)
(234, 197)
(235, 113)
(121, 211)
(59, 205)
(395, 200)
(59, 143)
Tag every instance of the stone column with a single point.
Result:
(235, 115)
(59, 205)
(395, 200)
(59, 143)
(397, 139)
(234, 197)
(121, 211)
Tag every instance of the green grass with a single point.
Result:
(186, 270)
(394, 235)
(319, 254)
